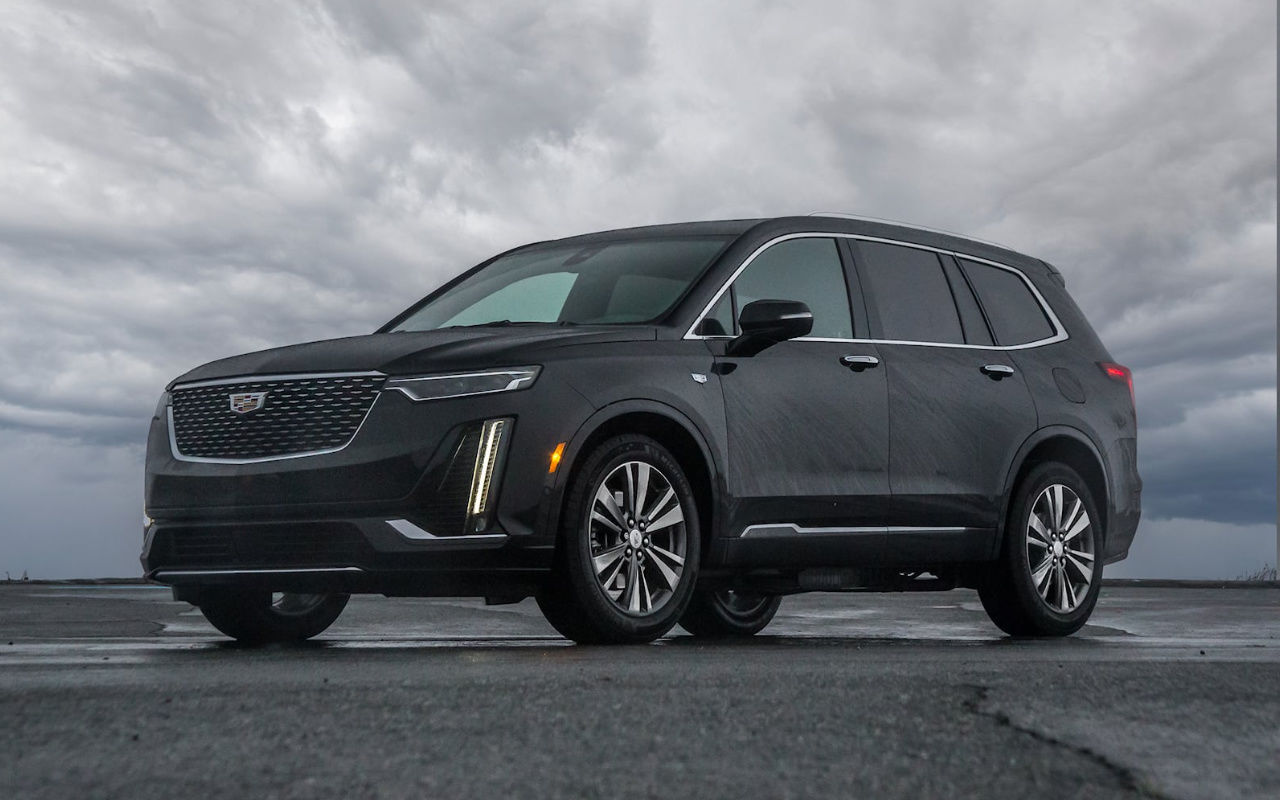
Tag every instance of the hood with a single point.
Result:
(415, 353)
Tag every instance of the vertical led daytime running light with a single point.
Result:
(486, 461)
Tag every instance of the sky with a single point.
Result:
(187, 181)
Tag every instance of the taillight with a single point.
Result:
(1119, 372)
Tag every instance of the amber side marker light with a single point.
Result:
(555, 459)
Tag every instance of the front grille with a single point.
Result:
(262, 545)
(298, 415)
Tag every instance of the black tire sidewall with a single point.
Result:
(604, 621)
(708, 616)
(248, 616)
(1042, 619)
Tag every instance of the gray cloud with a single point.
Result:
(187, 182)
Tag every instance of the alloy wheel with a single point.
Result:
(1060, 549)
(637, 538)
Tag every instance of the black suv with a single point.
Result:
(661, 425)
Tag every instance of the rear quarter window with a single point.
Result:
(1015, 314)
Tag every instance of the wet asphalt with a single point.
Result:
(121, 692)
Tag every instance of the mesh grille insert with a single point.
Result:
(296, 416)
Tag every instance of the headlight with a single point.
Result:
(440, 387)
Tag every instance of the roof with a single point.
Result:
(777, 226)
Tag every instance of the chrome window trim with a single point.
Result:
(267, 378)
(173, 437)
(1060, 335)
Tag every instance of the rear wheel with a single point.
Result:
(726, 613)
(260, 616)
(1047, 580)
(628, 555)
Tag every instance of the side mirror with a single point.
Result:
(767, 322)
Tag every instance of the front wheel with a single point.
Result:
(1047, 580)
(261, 617)
(629, 549)
(729, 613)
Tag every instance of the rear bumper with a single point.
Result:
(1125, 508)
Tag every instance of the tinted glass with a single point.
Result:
(807, 270)
(975, 327)
(1016, 316)
(719, 321)
(643, 296)
(602, 283)
(910, 293)
(538, 298)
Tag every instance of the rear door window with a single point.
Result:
(1015, 314)
(910, 293)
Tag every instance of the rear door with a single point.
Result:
(958, 409)
(807, 432)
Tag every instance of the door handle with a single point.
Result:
(997, 371)
(859, 363)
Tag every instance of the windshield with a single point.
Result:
(602, 283)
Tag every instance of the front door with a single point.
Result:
(807, 425)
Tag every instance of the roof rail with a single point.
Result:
(864, 218)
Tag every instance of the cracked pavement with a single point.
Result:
(118, 691)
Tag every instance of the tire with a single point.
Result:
(1049, 573)
(623, 577)
(726, 613)
(258, 617)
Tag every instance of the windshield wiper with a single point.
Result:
(506, 323)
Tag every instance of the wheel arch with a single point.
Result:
(665, 424)
(1064, 445)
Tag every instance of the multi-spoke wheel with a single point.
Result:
(1047, 580)
(637, 537)
(1059, 557)
(629, 550)
(728, 612)
(259, 616)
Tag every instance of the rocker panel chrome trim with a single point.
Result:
(784, 529)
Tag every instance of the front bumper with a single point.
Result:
(353, 555)
(395, 503)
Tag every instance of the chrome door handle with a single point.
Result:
(859, 363)
(997, 371)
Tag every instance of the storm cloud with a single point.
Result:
(188, 181)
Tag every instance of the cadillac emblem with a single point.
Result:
(248, 401)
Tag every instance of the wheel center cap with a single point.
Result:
(1057, 548)
(634, 538)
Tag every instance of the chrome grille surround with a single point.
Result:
(303, 415)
